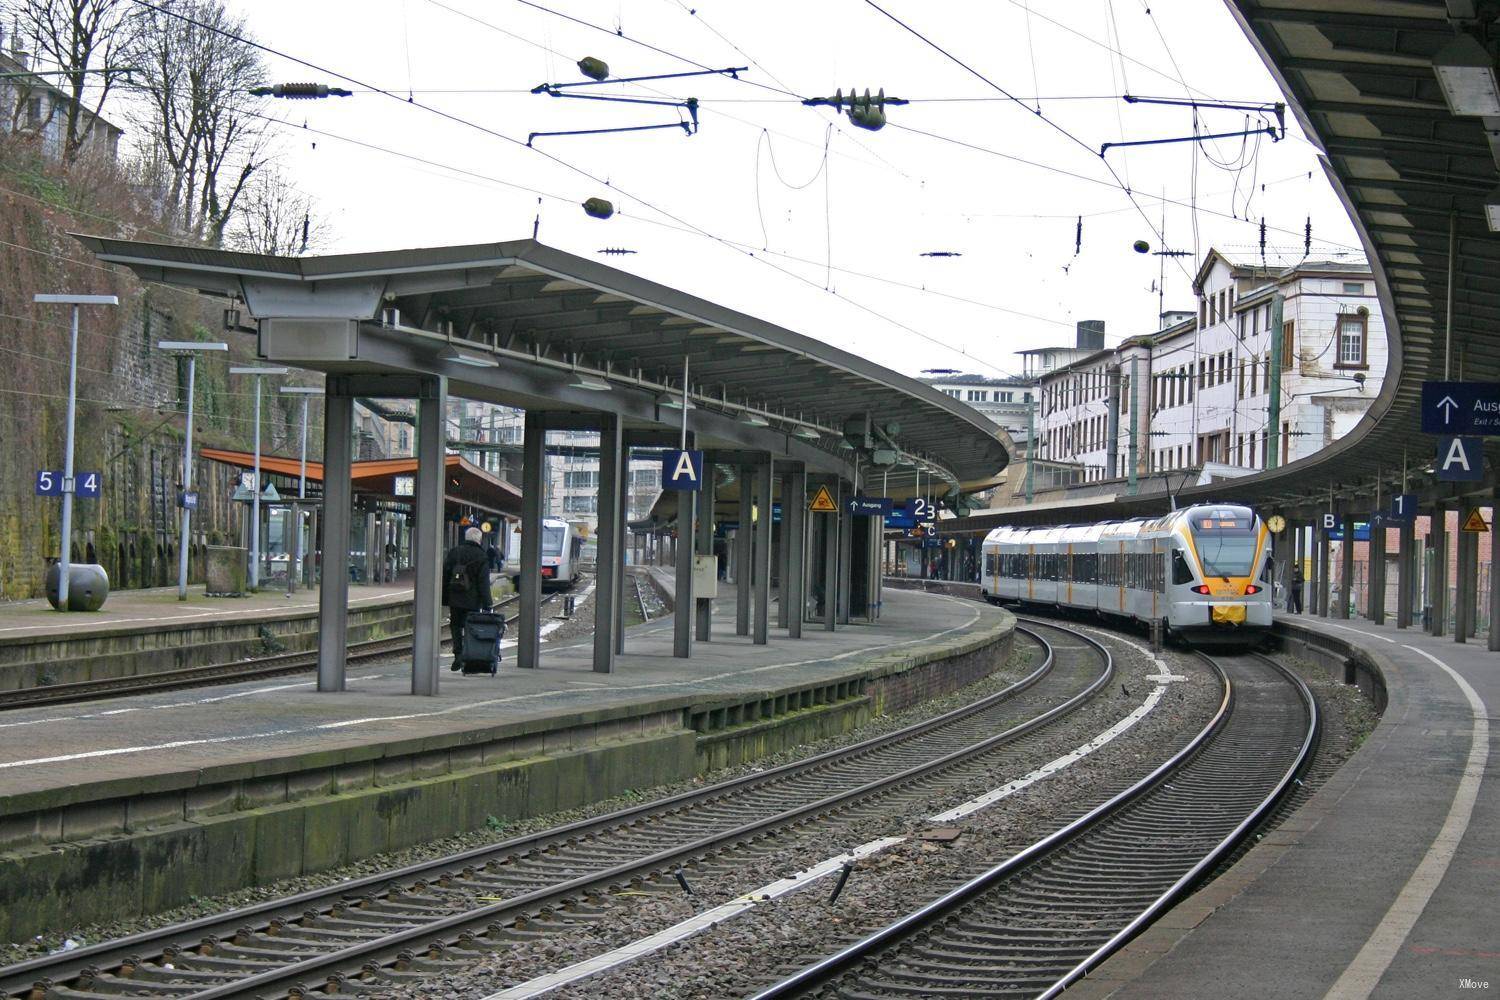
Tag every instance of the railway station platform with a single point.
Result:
(140, 631)
(138, 804)
(1384, 883)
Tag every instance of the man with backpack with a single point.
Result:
(466, 586)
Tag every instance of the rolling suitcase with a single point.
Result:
(482, 634)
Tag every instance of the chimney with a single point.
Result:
(1091, 334)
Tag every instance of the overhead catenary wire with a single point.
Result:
(567, 165)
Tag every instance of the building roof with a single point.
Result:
(9, 64)
(466, 484)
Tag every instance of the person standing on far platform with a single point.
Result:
(1294, 599)
(466, 585)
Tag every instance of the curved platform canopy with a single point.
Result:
(1415, 176)
(1418, 175)
(526, 325)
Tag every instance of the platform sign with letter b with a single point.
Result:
(682, 470)
(1330, 521)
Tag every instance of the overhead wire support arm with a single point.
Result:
(600, 75)
(549, 88)
(1269, 130)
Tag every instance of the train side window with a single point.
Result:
(1181, 572)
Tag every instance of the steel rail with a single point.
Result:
(17, 979)
(895, 934)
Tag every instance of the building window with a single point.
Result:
(1254, 377)
(1265, 451)
(1354, 288)
(1007, 397)
(581, 480)
(1288, 344)
(1286, 442)
(580, 505)
(1352, 335)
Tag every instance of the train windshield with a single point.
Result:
(552, 541)
(1226, 541)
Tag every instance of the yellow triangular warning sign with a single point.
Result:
(822, 502)
(1475, 521)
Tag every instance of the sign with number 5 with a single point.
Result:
(49, 483)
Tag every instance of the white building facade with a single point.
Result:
(1198, 392)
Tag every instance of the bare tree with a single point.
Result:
(276, 217)
(206, 134)
(85, 39)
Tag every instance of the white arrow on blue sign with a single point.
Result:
(682, 470)
(1461, 407)
(1460, 459)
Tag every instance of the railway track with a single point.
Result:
(406, 924)
(1039, 921)
(256, 668)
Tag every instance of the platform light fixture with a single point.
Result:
(454, 355)
(1492, 210)
(256, 372)
(1466, 73)
(190, 349)
(589, 382)
(65, 553)
(754, 419)
(806, 433)
(294, 569)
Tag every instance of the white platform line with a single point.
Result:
(702, 921)
(1047, 770)
(689, 927)
(469, 706)
(1363, 974)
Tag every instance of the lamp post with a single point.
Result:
(190, 349)
(306, 392)
(65, 558)
(257, 372)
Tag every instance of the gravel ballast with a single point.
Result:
(735, 957)
(500, 829)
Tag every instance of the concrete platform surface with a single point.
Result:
(1385, 884)
(159, 609)
(122, 742)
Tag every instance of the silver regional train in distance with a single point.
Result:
(1204, 572)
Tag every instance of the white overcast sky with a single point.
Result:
(1009, 206)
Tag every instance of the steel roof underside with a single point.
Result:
(1358, 74)
(542, 307)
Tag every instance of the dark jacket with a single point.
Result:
(466, 577)
(1296, 576)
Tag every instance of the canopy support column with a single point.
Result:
(533, 475)
(432, 443)
(793, 526)
(333, 595)
(607, 559)
(762, 570)
(743, 557)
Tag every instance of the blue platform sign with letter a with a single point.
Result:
(1460, 459)
(682, 470)
(1461, 408)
